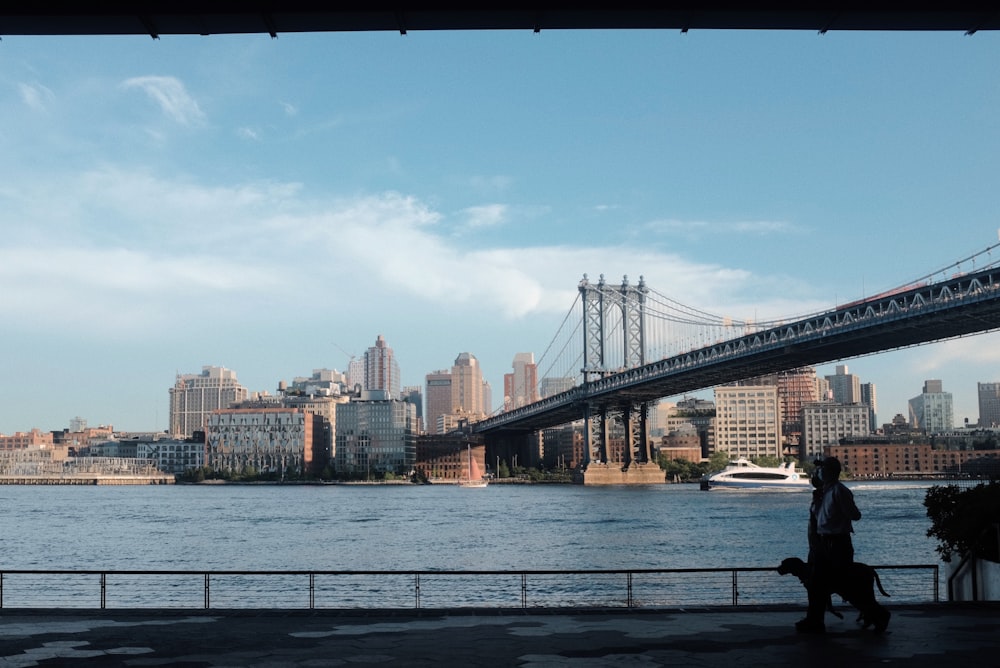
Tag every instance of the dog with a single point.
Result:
(856, 588)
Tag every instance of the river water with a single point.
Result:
(439, 527)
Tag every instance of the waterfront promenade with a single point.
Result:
(934, 635)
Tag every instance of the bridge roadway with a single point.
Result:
(961, 305)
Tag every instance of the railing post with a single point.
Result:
(312, 591)
(1, 589)
(104, 589)
(937, 584)
(416, 589)
(524, 590)
(628, 596)
(206, 591)
(736, 591)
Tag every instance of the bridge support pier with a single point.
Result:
(616, 474)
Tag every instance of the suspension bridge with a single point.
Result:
(635, 346)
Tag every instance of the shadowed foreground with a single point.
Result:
(928, 635)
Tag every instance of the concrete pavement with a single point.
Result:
(939, 635)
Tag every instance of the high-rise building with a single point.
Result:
(796, 388)
(438, 398)
(931, 411)
(551, 386)
(521, 386)
(382, 369)
(846, 387)
(869, 399)
(825, 423)
(487, 398)
(989, 405)
(355, 375)
(748, 421)
(467, 387)
(415, 395)
(194, 396)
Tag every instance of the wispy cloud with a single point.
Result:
(36, 96)
(171, 96)
(704, 228)
(235, 247)
(486, 215)
(490, 184)
(289, 109)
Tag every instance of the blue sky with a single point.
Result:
(267, 204)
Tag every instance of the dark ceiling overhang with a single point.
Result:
(274, 17)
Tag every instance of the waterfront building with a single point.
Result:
(748, 421)
(826, 423)
(931, 410)
(520, 387)
(194, 397)
(22, 440)
(989, 404)
(278, 441)
(381, 368)
(445, 457)
(879, 458)
(375, 435)
(171, 455)
(80, 441)
(699, 414)
(846, 387)
(684, 442)
(563, 446)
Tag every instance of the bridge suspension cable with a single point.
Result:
(671, 328)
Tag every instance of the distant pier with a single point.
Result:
(163, 479)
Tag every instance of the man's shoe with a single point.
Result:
(810, 626)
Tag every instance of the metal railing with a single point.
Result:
(631, 588)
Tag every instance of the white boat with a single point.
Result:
(744, 474)
(475, 478)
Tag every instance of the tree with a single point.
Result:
(718, 461)
(965, 521)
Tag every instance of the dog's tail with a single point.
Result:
(878, 583)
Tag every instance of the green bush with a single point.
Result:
(965, 520)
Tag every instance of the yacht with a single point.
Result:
(744, 474)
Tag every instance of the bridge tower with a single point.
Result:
(607, 311)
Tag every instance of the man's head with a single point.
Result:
(828, 469)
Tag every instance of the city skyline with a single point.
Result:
(225, 201)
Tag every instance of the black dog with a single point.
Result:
(857, 588)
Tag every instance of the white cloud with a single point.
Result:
(289, 109)
(490, 184)
(128, 236)
(36, 96)
(247, 133)
(699, 228)
(171, 96)
(486, 215)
